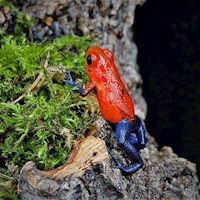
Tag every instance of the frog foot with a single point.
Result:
(71, 83)
(133, 168)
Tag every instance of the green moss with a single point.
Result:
(9, 195)
(30, 128)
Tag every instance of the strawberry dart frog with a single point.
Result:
(115, 104)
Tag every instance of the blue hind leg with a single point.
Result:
(128, 143)
(138, 129)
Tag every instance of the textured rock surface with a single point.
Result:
(165, 175)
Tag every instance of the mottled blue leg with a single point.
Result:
(71, 83)
(123, 136)
(138, 129)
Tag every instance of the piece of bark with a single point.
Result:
(85, 155)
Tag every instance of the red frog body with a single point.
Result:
(115, 104)
(114, 100)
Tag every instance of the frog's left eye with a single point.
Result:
(89, 59)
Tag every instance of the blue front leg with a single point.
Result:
(71, 83)
(131, 144)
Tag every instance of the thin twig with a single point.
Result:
(6, 177)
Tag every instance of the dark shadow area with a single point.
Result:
(167, 34)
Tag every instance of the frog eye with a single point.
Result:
(89, 59)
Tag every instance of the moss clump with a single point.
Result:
(30, 127)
